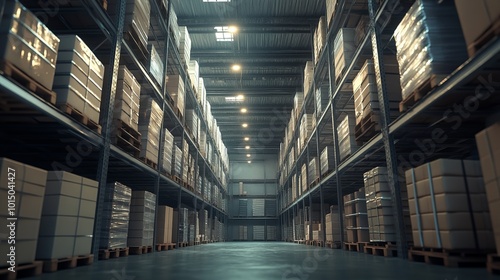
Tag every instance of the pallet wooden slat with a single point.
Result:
(24, 270)
(420, 92)
(140, 250)
(23, 79)
(105, 254)
(54, 265)
(80, 117)
(448, 258)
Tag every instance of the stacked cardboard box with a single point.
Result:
(298, 100)
(312, 228)
(322, 98)
(137, 17)
(142, 219)
(128, 96)
(155, 66)
(332, 224)
(306, 128)
(356, 219)
(185, 45)
(28, 182)
(361, 30)
(203, 141)
(258, 207)
(68, 213)
(343, 49)
(347, 142)
(448, 205)
(194, 226)
(204, 224)
(202, 94)
(488, 142)
(164, 224)
(193, 123)
(199, 182)
(429, 42)
(181, 225)
(194, 74)
(308, 77)
(242, 233)
(79, 77)
(28, 44)
(177, 161)
(168, 152)
(304, 177)
(365, 91)
(319, 38)
(294, 187)
(381, 222)
(115, 216)
(330, 10)
(476, 19)
(327, 160)
(174, 28)
(183, 161)
(271, 233)
(150, 123)
(175, 87)
(258, 233)
(313, 171)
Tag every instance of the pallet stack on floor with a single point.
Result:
(356, 220)
(115, 221)
(449, 212)
(164, 223)
(489, 153)
(332, 226)
(141, 223)
(150, 122)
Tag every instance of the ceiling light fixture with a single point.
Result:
(233, 29)
(247, 139)
(247, 147)
(245, 125)
(249, 161)
(243, 110)
(248, 155)
(236, 67)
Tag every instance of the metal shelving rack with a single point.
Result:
(61, 138)
(394, 142)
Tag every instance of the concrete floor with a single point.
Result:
(263, 261)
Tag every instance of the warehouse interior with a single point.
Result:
(271, 139)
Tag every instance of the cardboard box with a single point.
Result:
(83, 245)
(55, 247)
(58, 226)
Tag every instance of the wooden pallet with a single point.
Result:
(378, 249)
(149, 162)
(126, 138)
(132, 38)
(105, 254)
(314, 183)
(318, 243)
(183, 244)
(367, 128)
(492, 32)
(493, 263)
(13, 73)
(24, 270)
(140, 250)
(420, 92)
(448, 258)
(177, 179)
(355, 246)
(80, 117)
(165, 247)
(333, 245)
(54, 265)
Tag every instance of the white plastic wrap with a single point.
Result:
(156, 65)
(115, 216)
(429, 42)
(150, 121)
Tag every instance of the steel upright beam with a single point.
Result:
(388, 139)
(179, 200)
(338, 179)
(106, 119)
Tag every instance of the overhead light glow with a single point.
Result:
(236, 67)
(243, 110)
(249, 161)
(245, 125)
(233, 29)
(248, 155)
(247, 138)
(238, 98)
(247, 147)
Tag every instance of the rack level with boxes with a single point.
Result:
(100, 137)
(390, 104)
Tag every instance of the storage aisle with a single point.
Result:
(263, 261)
